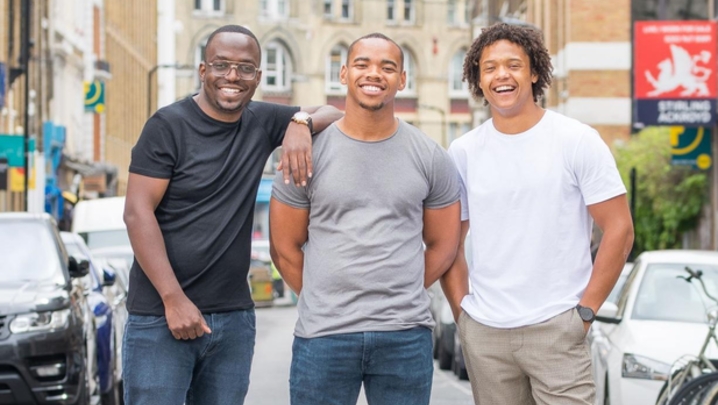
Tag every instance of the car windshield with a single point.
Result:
(100, 239)
(665, 295)
(28, 252)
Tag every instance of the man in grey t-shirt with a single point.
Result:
(350, 244)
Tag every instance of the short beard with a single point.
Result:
(371, 107)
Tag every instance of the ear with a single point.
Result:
(259, 77)
(202, 71)
(343, 75)
(402, 80)
(534, 77)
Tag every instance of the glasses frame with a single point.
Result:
(234, 66)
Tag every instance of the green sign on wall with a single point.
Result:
(691, 146)
(12, 148)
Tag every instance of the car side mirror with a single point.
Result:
(78, 268)
(108, 277)
(608, 313)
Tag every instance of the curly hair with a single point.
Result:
(527, 38)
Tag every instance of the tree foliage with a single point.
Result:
(669, 198)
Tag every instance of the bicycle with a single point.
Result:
(689, 377)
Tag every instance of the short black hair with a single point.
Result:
(233, 28)
(528, 38)
(380, 36)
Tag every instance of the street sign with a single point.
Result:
(12, 148)
(95, 96)
(675, 73)
(691, 146)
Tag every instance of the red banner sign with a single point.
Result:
(675, 72)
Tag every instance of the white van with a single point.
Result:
(100, 222)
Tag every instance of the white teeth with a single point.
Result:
(233, 91)
(371, 88)
(504, 88)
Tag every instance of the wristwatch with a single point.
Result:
(303, 117)
(586, 313)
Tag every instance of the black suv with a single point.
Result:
(43, 315)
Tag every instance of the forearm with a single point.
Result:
(149, 249)
(615, 246)
(437, 260)
(290, 264)
(455, 283)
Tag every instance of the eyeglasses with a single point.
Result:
(245, 71)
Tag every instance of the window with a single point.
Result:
(400, 10)
(457, 87)
(409, 10)
(276, 9)
(276, 68)
(347, 9)
(410, 69)
(199, 57)
(209, 6)
(337, 56)
(390, 10)
(451, 12)
(327, 8)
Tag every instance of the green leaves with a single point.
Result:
(669, 199)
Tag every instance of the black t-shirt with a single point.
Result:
(207, 211)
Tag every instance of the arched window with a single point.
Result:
(410, 69)
(337, 57)
(457, 87)
(276, 68)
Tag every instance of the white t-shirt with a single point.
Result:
(526, 198)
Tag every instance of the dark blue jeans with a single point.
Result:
(396, 368)
(212, 369)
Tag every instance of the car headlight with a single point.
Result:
(40, 321)
(635, 366)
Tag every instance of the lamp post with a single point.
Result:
(149, 81)
(443, 119)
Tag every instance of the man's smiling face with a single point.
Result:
(373, 73)
(506, 78)
(226, 95)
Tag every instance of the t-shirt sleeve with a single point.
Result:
(443, 181)
(458, 156)
(596, 171)
(155, 153)
(277, 118)
(290, 194)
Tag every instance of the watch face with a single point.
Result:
(301, 116)
(586, 314)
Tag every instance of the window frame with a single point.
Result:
(269, 9)
(456, 72)
(282, 71)
(207, 7)
(335, 87)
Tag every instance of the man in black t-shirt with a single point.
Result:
(189, 209)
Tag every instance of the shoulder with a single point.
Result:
(568, 127)
(178, 111)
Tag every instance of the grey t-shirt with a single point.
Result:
(364, 258)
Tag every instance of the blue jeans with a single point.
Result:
(212, 369)
(396, 368)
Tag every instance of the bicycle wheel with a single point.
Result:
(698, 391)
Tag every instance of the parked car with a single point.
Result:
(100, 222)
(46, 335)
(655, 318)
(107, 301)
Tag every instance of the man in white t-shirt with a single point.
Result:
(533, 182)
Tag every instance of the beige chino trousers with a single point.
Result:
(545, 364)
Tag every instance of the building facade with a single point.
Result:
(305, 43)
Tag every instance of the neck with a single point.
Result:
(516, 122)
(365, 125)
